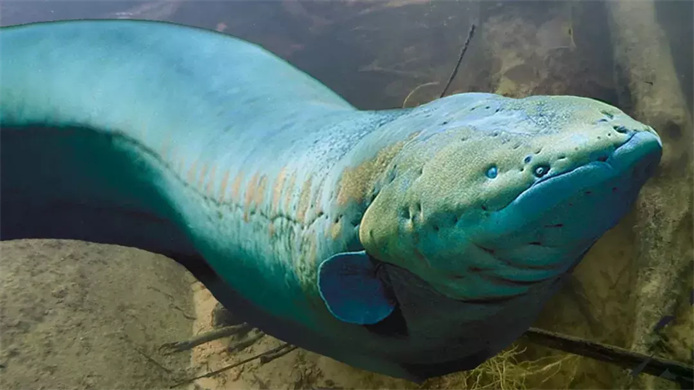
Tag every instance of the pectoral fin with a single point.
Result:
(352, 291)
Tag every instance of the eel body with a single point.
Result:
(410, 242)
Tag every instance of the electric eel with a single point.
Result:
(410, 242)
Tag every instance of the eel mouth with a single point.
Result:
(520, 251)
(637, 147)
(627, 167)
(637, 157)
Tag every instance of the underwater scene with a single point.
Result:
(346, 194)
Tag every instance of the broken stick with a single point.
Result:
(273, 351)
(638, 362)
(206, 337)
(460, 59)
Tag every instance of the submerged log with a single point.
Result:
(651, 92)
(638, 363)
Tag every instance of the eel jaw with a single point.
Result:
(516, 227)
(620, 176)
(547, 229)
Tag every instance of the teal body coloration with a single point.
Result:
(411, 242)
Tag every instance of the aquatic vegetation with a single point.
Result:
(507, 370)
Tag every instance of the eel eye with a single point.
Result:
(492, 172)
(541, 170)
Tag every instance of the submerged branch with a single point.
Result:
(268, 357)
(226, 331)
(245, 342)
(638, 362)
(274, 353)
(417, 88)
(460, 59)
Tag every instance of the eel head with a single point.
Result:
(495, 195)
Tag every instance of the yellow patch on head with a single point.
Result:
(208, 189)
(277, 190)
(260, 191)
(336, 229)
(249, 195)
(203, 173)
(358, 181)
(223, 187)
(304, 200)
(236, 187)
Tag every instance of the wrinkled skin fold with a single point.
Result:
(410, 242)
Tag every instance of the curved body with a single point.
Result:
(209, 149)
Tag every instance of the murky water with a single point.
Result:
(386, 54)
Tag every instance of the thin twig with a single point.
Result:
(267, 358)
(230, 366)
(180, 346)
(675, 371)
(171, 302)
(460, 59)
(403, 73)
(404, 103)
(246, 342)
(149, 358)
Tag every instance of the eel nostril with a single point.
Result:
(620, 129)
(607, 114)
(541, 170)
(602, 158)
